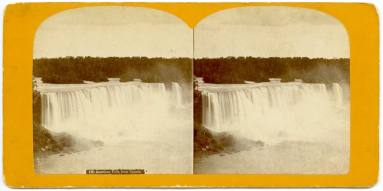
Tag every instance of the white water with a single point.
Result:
(109, 112)
(277, 112)
(177, 94)
(338, 94)
(142, 126)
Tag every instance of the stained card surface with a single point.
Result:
(193, 94)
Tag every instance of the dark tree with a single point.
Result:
(77, 69)
(236, 70)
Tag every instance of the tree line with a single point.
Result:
(238, 69)
(97, 69)
(213, 70)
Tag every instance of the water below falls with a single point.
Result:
(110, 112)
(275, 112)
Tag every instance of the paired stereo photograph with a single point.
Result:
(249, 90)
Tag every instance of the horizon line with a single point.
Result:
(189, 57)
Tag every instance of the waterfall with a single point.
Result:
(338, 94)
(107, 111)
(176, 94)
(274, 111)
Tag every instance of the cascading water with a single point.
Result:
(275, 112)
(177, 94)
(110, 112)
(139, 124)
(338, 94)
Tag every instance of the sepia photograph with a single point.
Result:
(191, 95)
(271, 92)
(250, 90)
(112, 92)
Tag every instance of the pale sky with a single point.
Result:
(270, 32)
(248, 31)
(113, 31)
